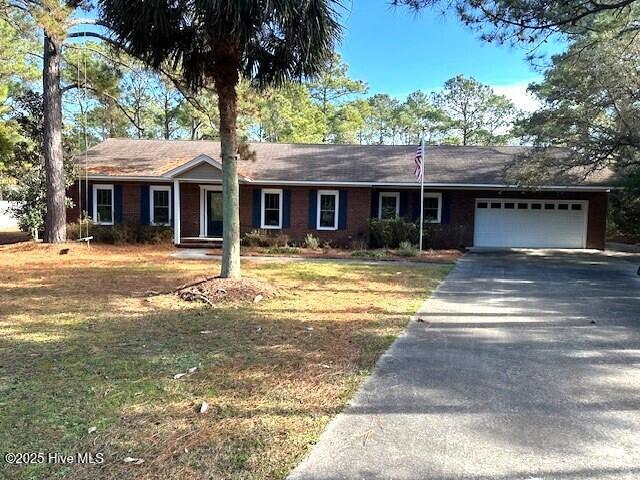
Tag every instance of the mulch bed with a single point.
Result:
(216, 290)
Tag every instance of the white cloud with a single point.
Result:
(519, 96)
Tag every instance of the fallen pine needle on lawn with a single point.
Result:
(238, 391)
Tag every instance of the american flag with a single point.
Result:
(419, 161)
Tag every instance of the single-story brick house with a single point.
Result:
(332, 191)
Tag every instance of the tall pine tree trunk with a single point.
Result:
(225, 84)
(56, 219)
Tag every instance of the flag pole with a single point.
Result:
(422, 190)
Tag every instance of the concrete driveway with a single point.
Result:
(507, 377)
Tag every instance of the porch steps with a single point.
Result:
(200, 242)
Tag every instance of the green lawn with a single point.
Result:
(82, 345)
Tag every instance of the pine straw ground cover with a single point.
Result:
(84, 346)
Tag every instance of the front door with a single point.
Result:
(214, 213)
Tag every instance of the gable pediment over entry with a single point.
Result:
(201, 167)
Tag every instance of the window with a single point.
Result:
(389, 205)
(432, 207)
(482, 204)
(103, 204)
(327, 210)
(510, 205)
(271, 208)
(576, 206)
(549, 206)
(523, 206)
(563, 206)
(160, 205)
(536, 206)
(496, 205)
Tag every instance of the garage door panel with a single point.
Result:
(527, 227)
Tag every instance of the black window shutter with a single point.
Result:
(286, 207)
(375, 203)
(404, 204)
(415, 207)
(342, 218)
(173, 209)
(144, 205)
(313, 209)
(445, 216)
(117, 204)
(257, 205)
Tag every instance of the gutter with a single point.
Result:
(445, 186)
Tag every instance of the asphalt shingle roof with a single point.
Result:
(275, 162)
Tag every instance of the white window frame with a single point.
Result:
(264, 192)
(103, 186)
(158, 188)
(439, 197)
(395, 195)
(336, 194)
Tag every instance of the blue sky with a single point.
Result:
(397, 51)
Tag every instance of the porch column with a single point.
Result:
(176, 212)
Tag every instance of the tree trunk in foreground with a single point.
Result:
(227, 103)
(56, 219)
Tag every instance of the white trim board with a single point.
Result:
(401, 185)
(437, 195)
(203, 206)
(103, 186)
(159, 188)
(280, 194)
(395, 195)
(194, 162)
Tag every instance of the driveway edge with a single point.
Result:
(385, 358)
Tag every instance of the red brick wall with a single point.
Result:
(131, 201)
(597, 220)
(462, 204)
(458, 232)
(189, 209)
(358, 212)
(73, 212)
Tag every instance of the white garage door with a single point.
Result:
(530, 223)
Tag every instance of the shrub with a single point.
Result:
(29, 196)
(281, 250)
(255, 238)
(391, 232)
(407, 249)
(311, 242)
(358, 245)
(73, 230)
(378, 253)
(265, 238)
(624, 213)
(155, 235)
(123, 233)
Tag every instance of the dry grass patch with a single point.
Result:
(83, 344)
